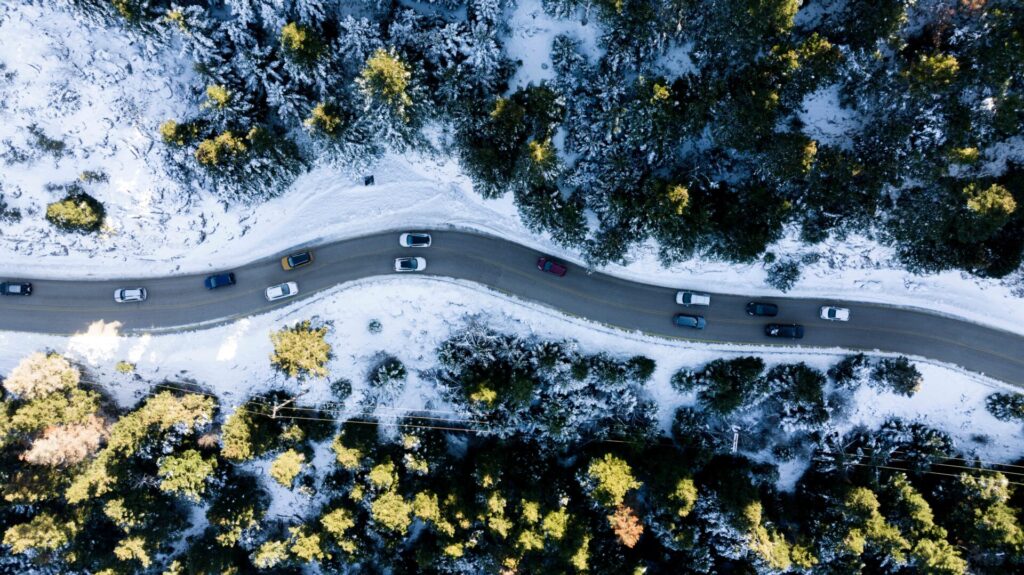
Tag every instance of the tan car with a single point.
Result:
(297, 260)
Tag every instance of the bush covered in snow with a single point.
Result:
(545, 388)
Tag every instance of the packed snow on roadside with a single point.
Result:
(105, 96)
(416, 315)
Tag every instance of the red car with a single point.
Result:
(551, 266)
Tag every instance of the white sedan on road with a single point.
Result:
(127, 295)
(833, 313)
(281, 291)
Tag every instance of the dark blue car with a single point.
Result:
(219, 280)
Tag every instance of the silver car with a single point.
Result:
(281, 291)
(127, 295)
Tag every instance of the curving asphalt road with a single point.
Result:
(68, 307)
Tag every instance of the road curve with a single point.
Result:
(68, 307)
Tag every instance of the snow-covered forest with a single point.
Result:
(697, 123)
(551, 461)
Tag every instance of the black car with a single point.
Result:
(792, 331)
(296, 260)
(694, 321)
(15, 288)
(219, 280)
(764, 309)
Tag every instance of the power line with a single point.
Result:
(946, 455)
(881, 466)
(897, 468)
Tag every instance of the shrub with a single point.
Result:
(301, 350)
(783, 274)
(898, 375)
(125, 367)
(77, 212)
(1006, 406)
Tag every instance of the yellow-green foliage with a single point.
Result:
(768, 543)
(678, 198)
(325, 119)
(301, 350)
(348, 457)
(215, 151)
(383, 476)
(555, 524)
(133, 549)
(385, 78)
(43, 533)
(336, 524)
(217, 96)
(232, 526)
(660, 93)
(391, 512)
(78, 212)
(270, 554)
(125, 367)
(176, 134)
(286, 467)
(965, 155)
(934, 71)
(685, 495)
(543, 153)
(176, 17)
(158, 415)
(185, 474)
(306, 546)
(236, 436)
(76, 406)
(994, 200)
(870, 528)
(300, 41)
(581, 558)
(612, 478)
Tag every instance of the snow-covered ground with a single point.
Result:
(232, 361)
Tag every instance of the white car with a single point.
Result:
(126, 295)
(833, 313)
(281, 291)
(410, 264)
(689, 298)
(414, 240)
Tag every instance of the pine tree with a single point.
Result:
(898, 375)
(186, 474)
(301, 350)
(41, 374)
(44, 533)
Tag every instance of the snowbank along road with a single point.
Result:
(182, 302)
